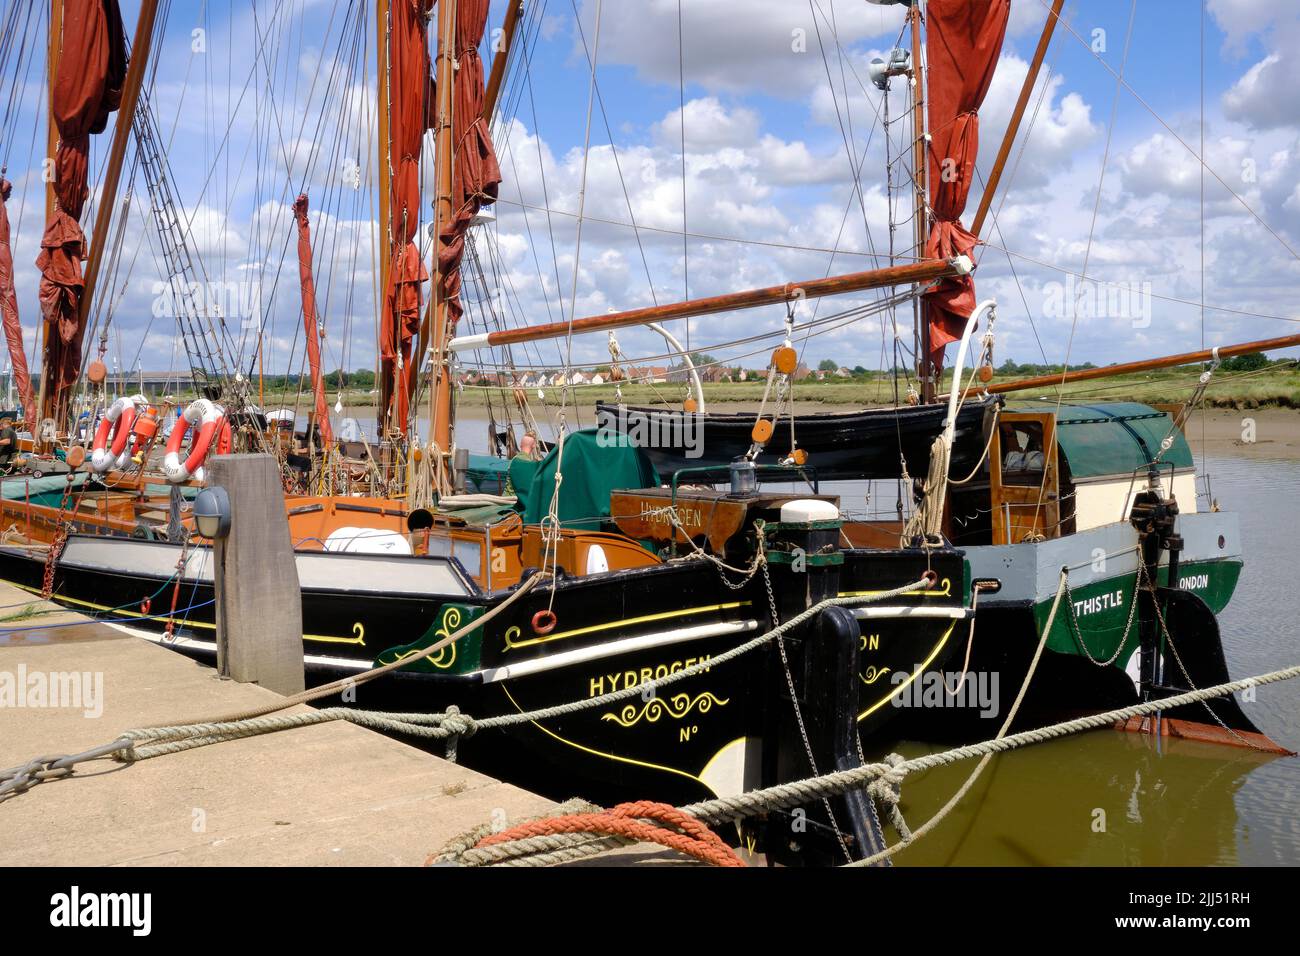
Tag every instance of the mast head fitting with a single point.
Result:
(899, 64)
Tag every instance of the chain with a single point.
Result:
(51, 559)
(798, 712)
(1128, 628)
(18, 779)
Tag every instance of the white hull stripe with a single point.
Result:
(628, 645)
(905, 612)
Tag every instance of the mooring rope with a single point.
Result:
(887, 777)
(452, 724)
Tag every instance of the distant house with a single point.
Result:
(578, 378)
(654, 374)
(802, 372)
(597, 379)
(842, 372)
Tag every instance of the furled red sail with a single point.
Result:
(476, 174)
(9, 309)
(962, 44)
(87, 88)
(410, 110)
(309, 320)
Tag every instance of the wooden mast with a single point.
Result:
(914, 272)
(38, 415)
(440, 410)
(385, 181)
(1013, 127)
(121, 132)
(1145, 365)
(500, 58)
(920, 225)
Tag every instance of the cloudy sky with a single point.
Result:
(270, 98)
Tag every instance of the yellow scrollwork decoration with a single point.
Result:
(676, 707)
(447, 656)
(873, 674)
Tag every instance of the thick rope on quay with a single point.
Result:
(552, 850)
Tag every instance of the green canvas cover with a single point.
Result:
(487, 474)
(1113, 438)
(49, 490)
(594, 465)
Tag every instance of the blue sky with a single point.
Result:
(766, 162)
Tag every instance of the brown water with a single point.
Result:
(1169, 802)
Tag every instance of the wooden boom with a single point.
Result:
(1168, 361)
(925, 271)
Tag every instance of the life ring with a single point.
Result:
(113, 435)
(208, 420)
(544, 622)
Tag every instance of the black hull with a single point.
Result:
(702, 736)
(841, 446)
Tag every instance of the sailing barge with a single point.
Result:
(659, 560)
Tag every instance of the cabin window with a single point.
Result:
(1022, 453)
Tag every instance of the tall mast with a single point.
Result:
(121, 131)
(920, 226)
(382, 80)
(1035, 65)
(52, 145)
(440, 410)
(500, 58)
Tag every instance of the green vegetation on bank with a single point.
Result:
(1247, 381)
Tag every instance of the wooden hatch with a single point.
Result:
(1024, 478)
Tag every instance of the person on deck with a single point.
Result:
(8, 445)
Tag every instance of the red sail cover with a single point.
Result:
(962, 43)
(410, 107)
(310, 322)
(9, 309)
(87, 88)
(475, 172)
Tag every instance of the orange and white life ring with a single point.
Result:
(113, 435)
(211, 429)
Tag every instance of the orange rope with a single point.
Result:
(690, 837)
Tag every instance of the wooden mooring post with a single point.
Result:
(259, 602)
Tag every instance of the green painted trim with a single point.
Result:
(1101, 609)
(463, 657)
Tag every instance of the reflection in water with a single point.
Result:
(1100, 799)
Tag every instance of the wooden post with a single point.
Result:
(259, 600)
